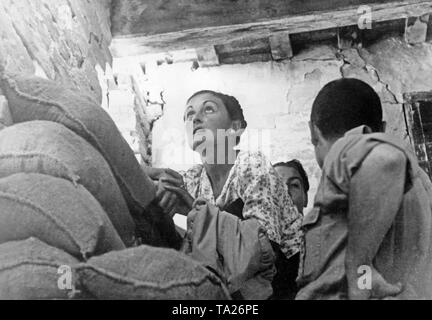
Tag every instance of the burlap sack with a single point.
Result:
(5, 116)
(33, 98)
(50, 148)
(61, 214)
(148, 273)
(30, 269)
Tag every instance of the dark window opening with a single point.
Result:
(418, 115)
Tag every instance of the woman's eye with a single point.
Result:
(209, 109)
(189, 116)
(294, 186)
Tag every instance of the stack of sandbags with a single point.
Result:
(148, 273)
(67, 180)
(52, 149)
(32, 98)
(72, 230)
(57, 212)
(29, 270)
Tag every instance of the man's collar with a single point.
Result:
(359, 130)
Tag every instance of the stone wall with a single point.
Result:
(277, 96)
(63, 40)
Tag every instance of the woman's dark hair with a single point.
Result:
(232, 105)
(295, 164)
(345, 104)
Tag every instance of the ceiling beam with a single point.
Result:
(416, 29)
(207, 57)
(280, 44)
(149, 17)
(218, 35)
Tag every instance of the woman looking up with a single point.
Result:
(241, 183)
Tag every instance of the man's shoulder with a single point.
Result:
(386, 153)
(351, 152)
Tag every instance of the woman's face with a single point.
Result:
(205, 114)
(294, 182)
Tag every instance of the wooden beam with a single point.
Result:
(207, 57)
(244, 51)
(150, 17)
(416, 29)
(280, 45)
(216, 35)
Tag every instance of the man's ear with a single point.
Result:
(316, 135)
(312, 133)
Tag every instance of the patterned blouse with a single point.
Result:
(265, 197)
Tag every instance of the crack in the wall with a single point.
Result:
(341, 68)
(374, 70)
(386, 85)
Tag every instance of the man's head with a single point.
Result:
(295, 177)
(340, 106)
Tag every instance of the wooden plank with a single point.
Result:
(243, 59)
(217, 35)
(416, 29)
(244, 51)
(280, 44)
(418, 96)
(207, 57)
(395, 28)
(150, 17)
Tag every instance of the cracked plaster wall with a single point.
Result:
(277, 96)
(61, 40)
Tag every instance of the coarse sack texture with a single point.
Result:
(149, 273)
(50, 148)
(57, 212)
(5, 116)
(29, 271)
(33, 98)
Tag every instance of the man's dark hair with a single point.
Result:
(345, 104)
(295, 164)
(232, 105)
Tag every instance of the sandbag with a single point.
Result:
(5, 116)
(50, 148)
(57, 212)
(149, 273)
(33, 98)
(29, 271)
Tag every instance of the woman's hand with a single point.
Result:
(167, 200)
(172, 176)
(186, 201)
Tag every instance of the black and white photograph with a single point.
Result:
(233, 152)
